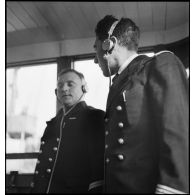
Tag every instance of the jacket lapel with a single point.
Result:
(124, 78)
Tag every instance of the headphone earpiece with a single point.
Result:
(84, 88)
(109, 43)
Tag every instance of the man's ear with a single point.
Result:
(56, 92)
(113, 39)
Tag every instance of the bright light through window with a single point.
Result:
(30, 102)
(98, 84)
(149, 54)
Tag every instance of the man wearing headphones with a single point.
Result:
(72, 146)
(147, 114)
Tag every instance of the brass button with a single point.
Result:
(106, 119)
(106, 132)
(48, 170)
(107, 160)
(58, 139)
(119, 108)
(36, 172)
(106, 146)
(43, 142)
(120, 157)
(31, 184)
(50, 159)
(55, 148)
(120, 124)
(121, 141)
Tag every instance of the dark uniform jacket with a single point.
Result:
(147, 128)
(71, 159)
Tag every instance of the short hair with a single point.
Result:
(79, 74)
(64, 71)
(126, 31)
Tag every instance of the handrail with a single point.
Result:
(30, 155)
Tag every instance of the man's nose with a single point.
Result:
(95, 60)
(65, 87)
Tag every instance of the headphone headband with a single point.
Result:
(108, 44)
(112, 28)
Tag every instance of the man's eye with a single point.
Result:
(70, 84)
(60, 85)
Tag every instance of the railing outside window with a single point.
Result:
(30, 102)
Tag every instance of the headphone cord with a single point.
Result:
(109, 73)
(61, 127)
(109, 77)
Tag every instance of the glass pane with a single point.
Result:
(30, 102)
(149, 54)
(21, 165)
(98, 84)
(188, 72)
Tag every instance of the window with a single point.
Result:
(149, 54)
(30, 102)
(98, 84)
(188, 72)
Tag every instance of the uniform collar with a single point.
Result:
(126, 63)
(79, 106)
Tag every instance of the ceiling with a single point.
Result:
(30, 22)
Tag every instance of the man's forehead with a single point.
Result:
(69, 76)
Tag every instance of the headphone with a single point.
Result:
(108, 43)
(84, 86)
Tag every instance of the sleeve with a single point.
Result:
(96, 147)
(169, 97)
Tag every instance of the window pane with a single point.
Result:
(30, 102)
(98, 84)
(149, 54)
(21, 165)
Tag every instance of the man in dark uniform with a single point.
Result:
(72, 146)
(147, 114)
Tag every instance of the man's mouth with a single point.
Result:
(64, 96)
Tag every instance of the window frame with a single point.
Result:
(25, 155)
(34, 155)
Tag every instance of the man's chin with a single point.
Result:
(68, 104)
(106, 74)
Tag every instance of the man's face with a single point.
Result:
(105, 62)
(69, 89)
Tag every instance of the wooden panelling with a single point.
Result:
(117, 9)
(10, 27)
(158, 15)
(176, 15)
(77, 20)
(131, 11)
(145, 16)
(102, 9)
(34, 13)
(14, 21)
(22, 15)
(90, 14)
(48, 13)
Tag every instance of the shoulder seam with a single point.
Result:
(165, 51)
